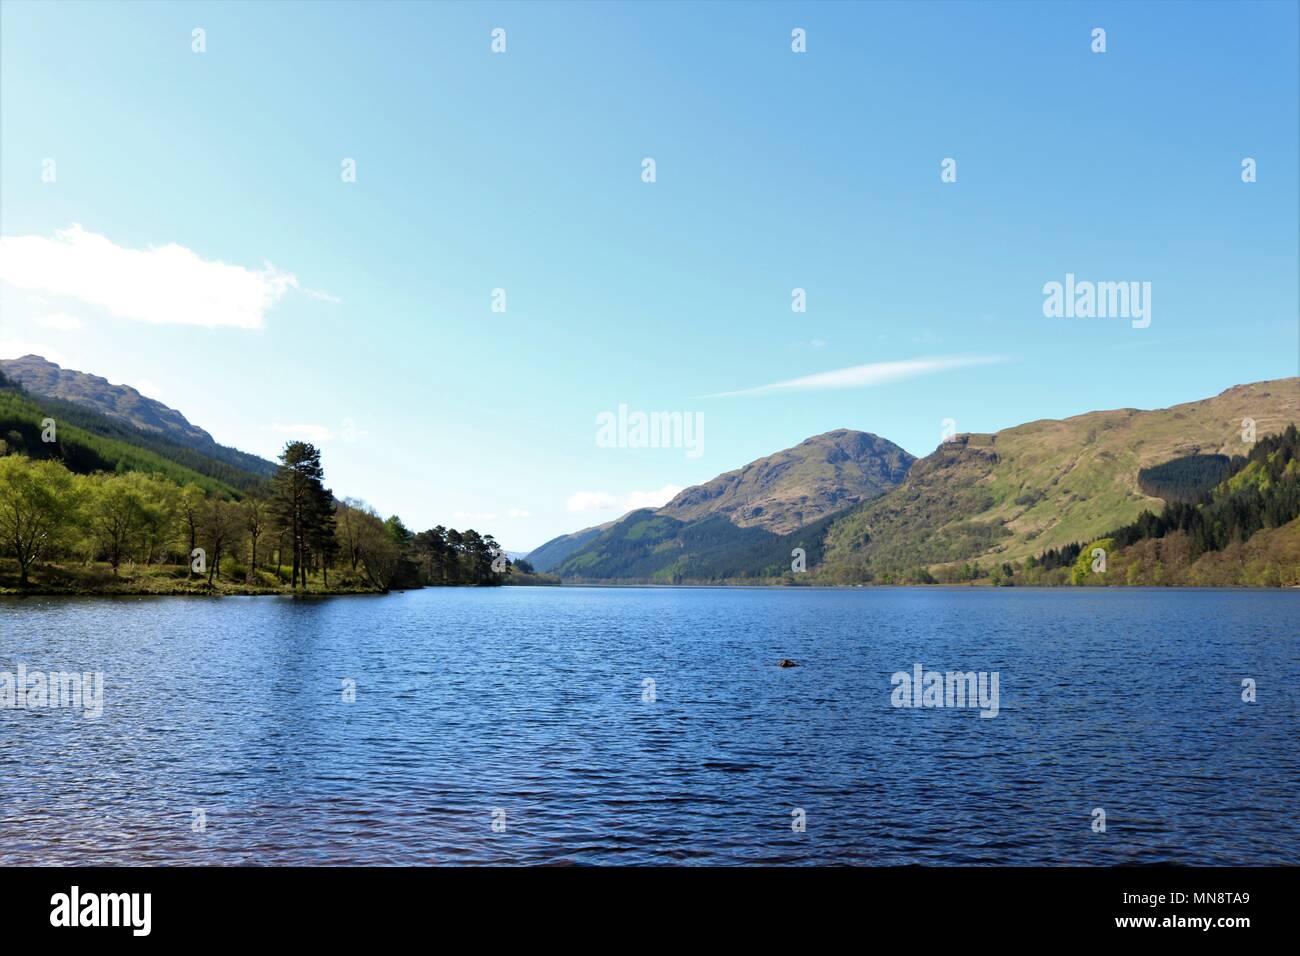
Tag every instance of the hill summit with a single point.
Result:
(799, 485)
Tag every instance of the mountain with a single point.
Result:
(864, 510)
(650, 547)
(86, 441)
(742, 524)
(1046, 484)
(797, 486)
(124, 405)
(546, 556)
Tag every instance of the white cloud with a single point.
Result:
(63, 321)
(160, 285)
(305, 432)
(148, 388)
(581, 501)
(517, 513)
(17, 348)
(591, 501)
(864, 376)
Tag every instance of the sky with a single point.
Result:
(502, 273)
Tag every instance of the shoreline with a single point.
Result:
(255, 591)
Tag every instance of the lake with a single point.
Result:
(516, 725)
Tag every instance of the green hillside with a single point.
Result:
(554, 552)
(654, 548)
(142, 420)
(1244, 532)
(1047, 484)
(87, 442)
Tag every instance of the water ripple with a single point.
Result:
(499, 726)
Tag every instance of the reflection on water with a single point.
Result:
(524, 706)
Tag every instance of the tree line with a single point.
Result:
(292, 525)
(1190, 479)
(1263, 491)
(1256, 491)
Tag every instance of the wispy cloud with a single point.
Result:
(583, 501)
(865, 376)
(161, 285)
(321, 296)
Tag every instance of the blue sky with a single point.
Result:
(372, 330)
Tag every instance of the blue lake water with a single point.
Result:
(526, 706)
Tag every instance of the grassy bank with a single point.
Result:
(98, 578)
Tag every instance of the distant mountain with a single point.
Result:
(125, 405)
(88, 441)
(1010, 495)
(863, 510)
(797, 486)
(553, 552)
(742, 524)
(648, 547)
(122, 402)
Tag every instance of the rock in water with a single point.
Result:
(786, 662)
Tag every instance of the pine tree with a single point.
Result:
(322, 537)
(296, 497)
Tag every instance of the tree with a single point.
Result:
(322, 531)
(378, 554)
(296, 495)
(161, 504)
(190, 506)
(432, 545)
(219, 526)
(256, 520)
(407, 572)
(117, 513)
(480, 550)
(38, 504)
(347, 527)
(491, 551)
(400, 533)
(455, 550)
